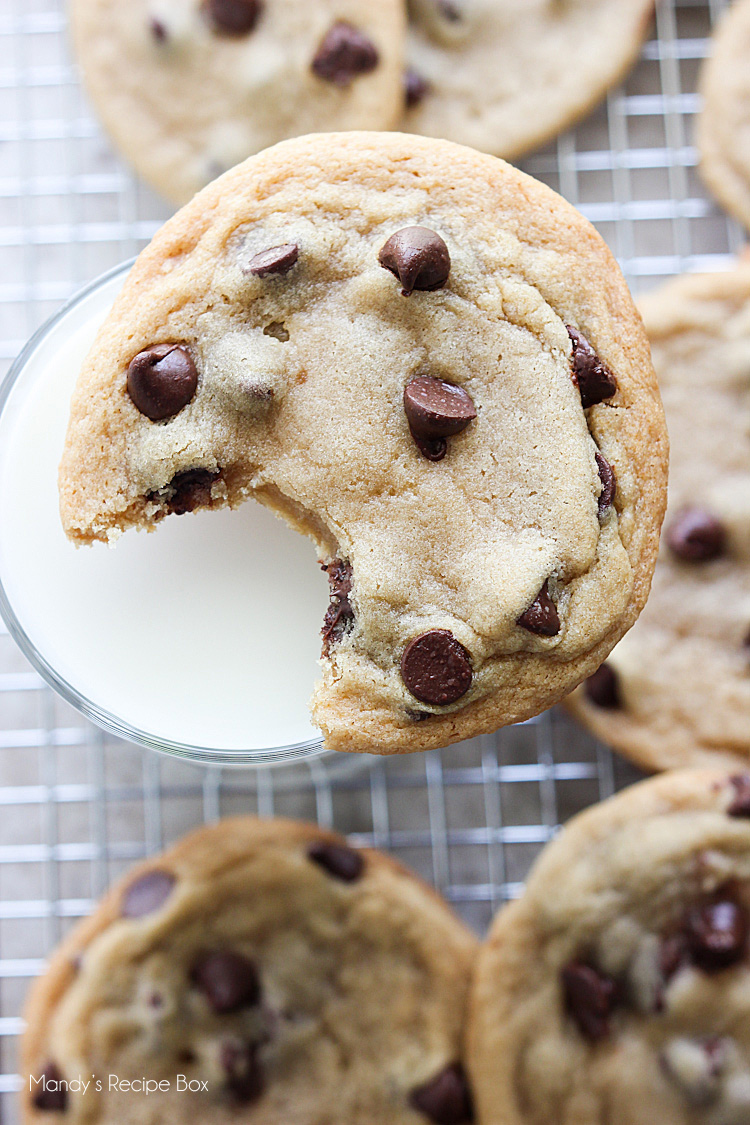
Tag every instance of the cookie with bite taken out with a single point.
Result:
(431, 365)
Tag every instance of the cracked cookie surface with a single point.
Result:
(507, 75)
(617, 989)
(299, 979)
(464, 418)
(676, 690)
(188, 88)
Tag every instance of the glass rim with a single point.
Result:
(283, 755)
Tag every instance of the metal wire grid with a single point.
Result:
(78, 807)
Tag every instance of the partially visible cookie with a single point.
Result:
(676, 690)
(189, 88)
(284, 975)
(430, 364)
(507, 75)
(724, 122)
(616, 991)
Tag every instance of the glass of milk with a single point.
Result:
(200, 639)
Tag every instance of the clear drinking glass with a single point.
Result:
(199, 640)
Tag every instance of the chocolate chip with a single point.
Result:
(450, 10)
(603, 688)
(593, 378)
(436, 668)
(49, 1096)
(228, 980)
(541, 617)
(717, 934)
(339, 616)
(590, 998)
(338, 860)
(242, 1070)
(416, 88)
(445, 1099)
(147, 894)
(418, 257)
(696, 536)
(232, 17)
(162, 380)
(436, 410)
(158, 29)
(192, 489)
(434, 449)
(344, 53)
(740, 805)
(673, 953)
(609, 484)
(275, 260)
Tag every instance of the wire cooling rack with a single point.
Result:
(77, 807)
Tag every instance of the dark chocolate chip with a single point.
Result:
(418, 257)
(158, 29)
(717, 934)
(242, 1070)
(450, 10)
(416, 88)
(275, 260)
(696, 536)
(593, 378)
(609, 484)
(232, 17)
(162, 380)
(590, 998)
(344, 54)
(740, 805)
(49, 1096)
(346, 864)
(541, 617)
(436, 409)
(147, 894)
(436, 668)
(445, 1099)
(228, 980)
(434, 449)
(192, 489)
(603, 688)
(339, 617)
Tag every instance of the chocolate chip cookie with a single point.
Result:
(617, 989)
(260, 971)
(676, 690)
(188, 88)
(508, 75)
(430, 364)
(724, 122)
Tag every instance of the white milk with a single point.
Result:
(205, 632)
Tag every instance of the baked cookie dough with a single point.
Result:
(284, 975)
(507, 75)
(430, 364)
(616, 991)
(188, 88)
(676, 690)
(724, 122)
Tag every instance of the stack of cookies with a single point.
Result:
(188, 88)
